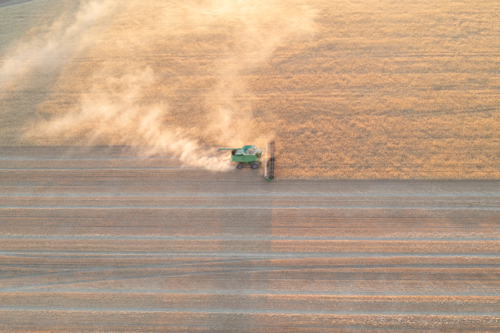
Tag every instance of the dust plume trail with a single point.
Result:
(115, 112)
(257, 29)
(60, 42)
(123, 105)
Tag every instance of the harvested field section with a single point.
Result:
(129, 248)
(194, 321)
(430, 304)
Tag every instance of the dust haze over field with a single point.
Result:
(348, 90)
(120, 103)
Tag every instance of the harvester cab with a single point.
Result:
(251, 155)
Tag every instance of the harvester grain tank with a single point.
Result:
(251, 155)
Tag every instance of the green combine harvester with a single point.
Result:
(251, 155)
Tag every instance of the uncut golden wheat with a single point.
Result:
(347, 90)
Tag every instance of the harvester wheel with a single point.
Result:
(254, 165)
(239, 165)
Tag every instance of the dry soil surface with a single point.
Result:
(99, 240)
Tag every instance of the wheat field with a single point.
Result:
(351, 89)
(111, 112)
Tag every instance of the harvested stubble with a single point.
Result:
(189, 250)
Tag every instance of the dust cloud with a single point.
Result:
(124, 96)
(65, 38)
